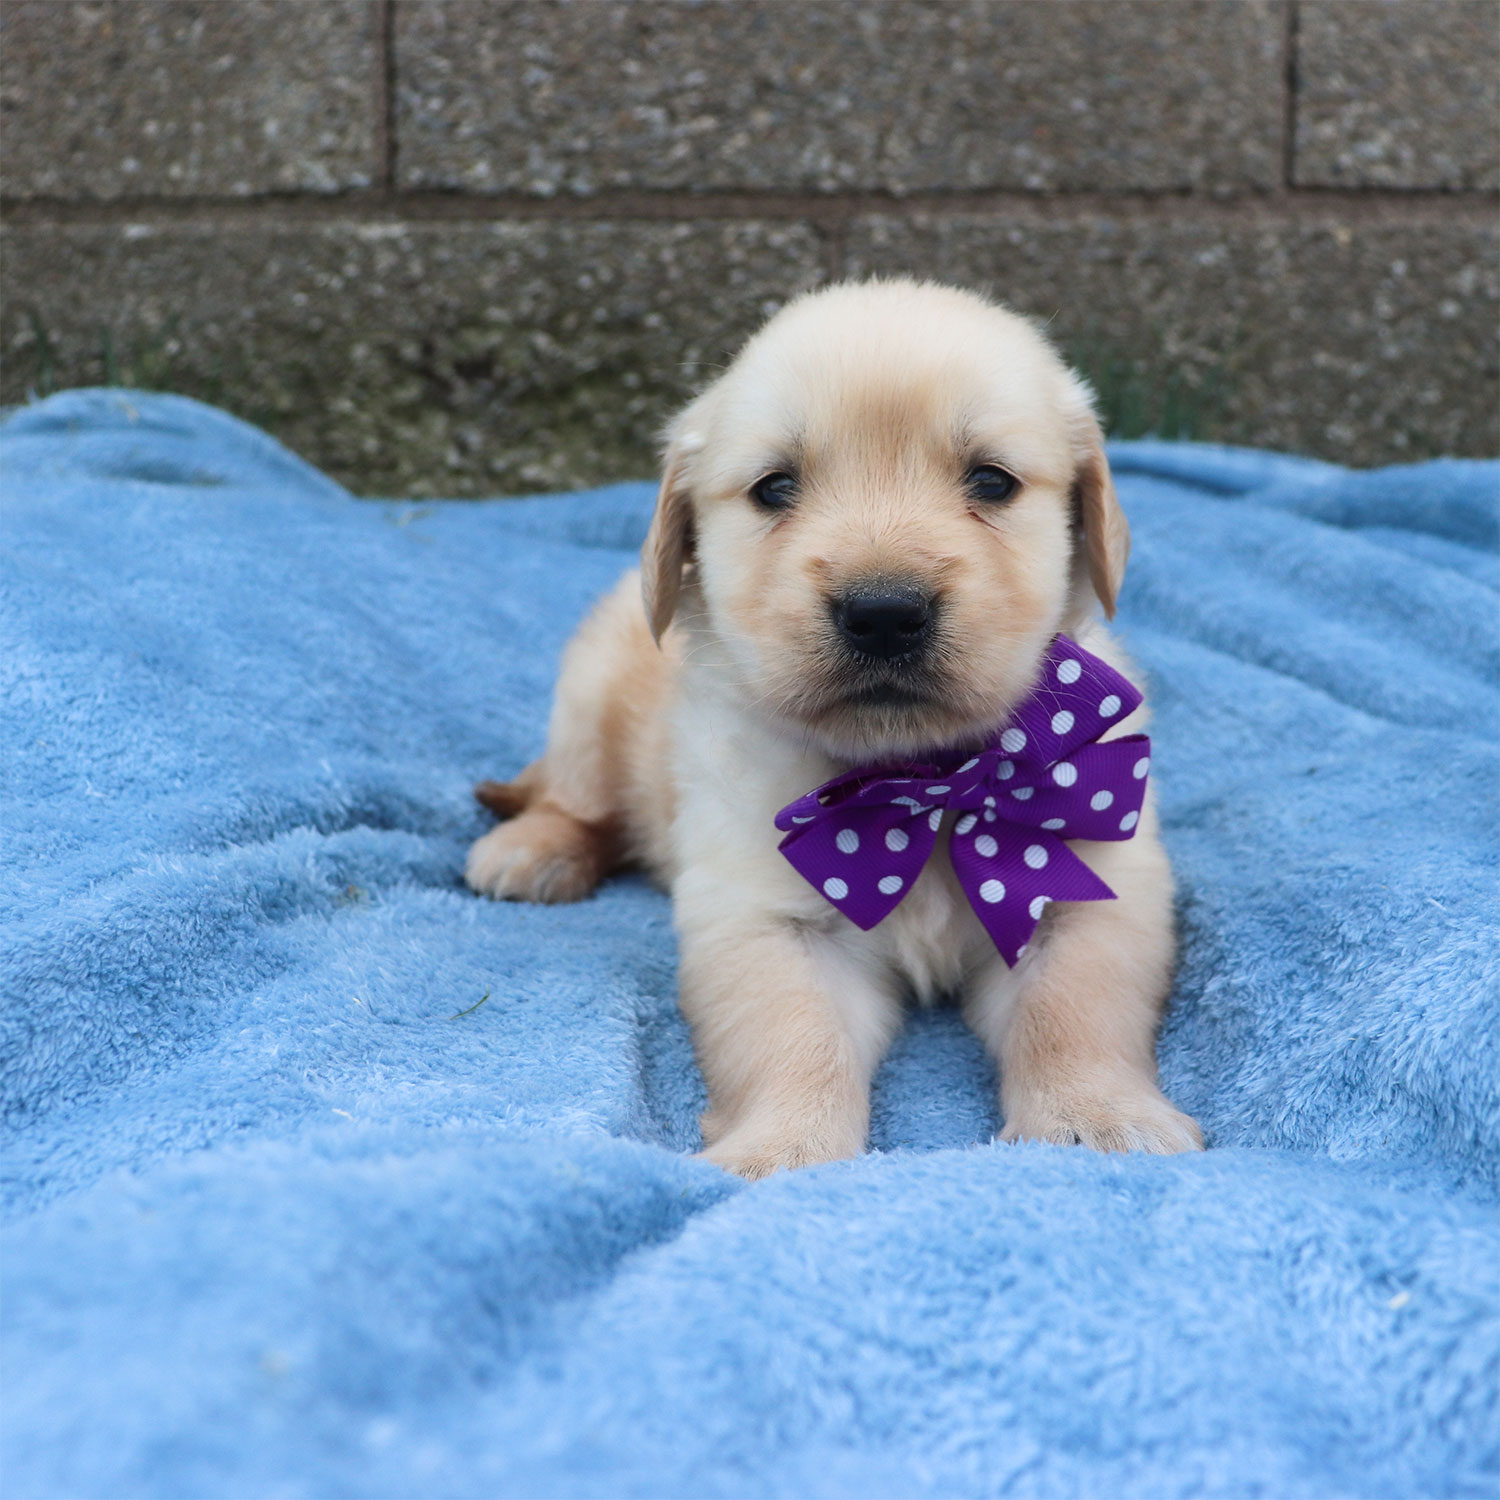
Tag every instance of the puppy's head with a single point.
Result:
(881, 514)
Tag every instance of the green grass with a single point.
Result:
(470, 1011)
(1138, 392)
(44, 378)
(150, 361)
(1139, 397)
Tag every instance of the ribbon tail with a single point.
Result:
(1009, 893)
(866, 876)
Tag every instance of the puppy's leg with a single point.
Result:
(1075, 1035)
(788, 1029)
(543, 854)
(578, 812)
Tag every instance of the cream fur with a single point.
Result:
(676, 757)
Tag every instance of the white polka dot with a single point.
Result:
(1005, 770)
(938, 791)
(989, 815)
(796, 819)
(835, 889)
(986, 846)
(896, 839)
(965, 823)
(847, 841)
(1021, 951)
(1069, 670)
(1062, 723)
(992, 891)
(1129, 821)
(969, 765)
(1065, 773)
(1023, 793)
(1035, 856)
(1141, 767)
(890, 884)
(1013, 741)
(1110, 707)
(989, 801)
(1037, 906)
(934, 818)
(1100, 800)
(1054, 824)
(907, 802)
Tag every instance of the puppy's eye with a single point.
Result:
(989, 482)
(774, 491)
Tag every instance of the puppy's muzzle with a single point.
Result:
(883, 623)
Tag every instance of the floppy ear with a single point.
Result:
(668, 546)
(1097, 513)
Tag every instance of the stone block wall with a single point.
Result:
(476, 246)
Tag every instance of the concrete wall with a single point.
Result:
(450, 247)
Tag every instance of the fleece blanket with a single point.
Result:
(325, 1178)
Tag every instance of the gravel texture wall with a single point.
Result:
(453, 247)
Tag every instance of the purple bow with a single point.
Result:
(863, 838)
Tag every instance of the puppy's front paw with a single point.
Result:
(539, 856)
(756, 1153)
(1133, 1118)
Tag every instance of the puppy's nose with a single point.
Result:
(883, 623)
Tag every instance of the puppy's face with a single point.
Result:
(882, 507)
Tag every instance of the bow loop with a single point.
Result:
(863, 838)
(1076, 699)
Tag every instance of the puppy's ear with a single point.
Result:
(1097, 514)
(669, 543)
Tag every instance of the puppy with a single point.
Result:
(869, 532)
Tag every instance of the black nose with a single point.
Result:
(883, 623)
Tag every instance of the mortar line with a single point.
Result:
(830, 212)
(380, 113)
(390, 144)
(1293, 82)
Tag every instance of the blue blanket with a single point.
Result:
(326, 1178)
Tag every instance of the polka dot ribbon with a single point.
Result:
(863, 838)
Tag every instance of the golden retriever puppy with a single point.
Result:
(871, 531)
